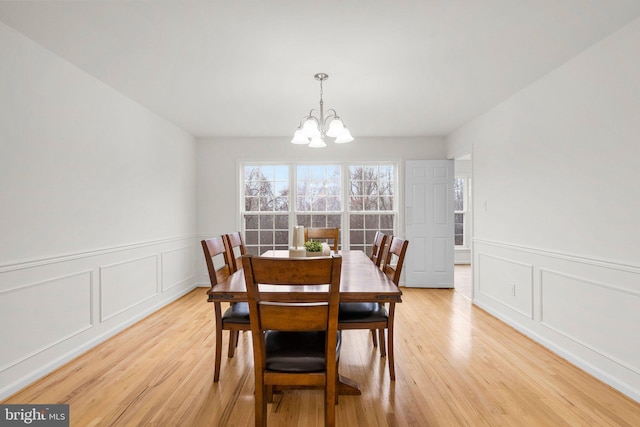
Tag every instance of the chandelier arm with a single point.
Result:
(307, 117)
(331, 114)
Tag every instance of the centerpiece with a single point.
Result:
(313, 248)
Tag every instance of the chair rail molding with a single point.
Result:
(597, 261)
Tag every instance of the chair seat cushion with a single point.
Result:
(296, 351)
(355, 312)
(237, 313)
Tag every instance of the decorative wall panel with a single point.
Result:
(48, 312)
(508, 282)
(177, 267)
(126, 284)
(599, 316)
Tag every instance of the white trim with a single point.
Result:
(595, 261)
(37, 262)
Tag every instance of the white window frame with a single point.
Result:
(466, 211)
(344, 202)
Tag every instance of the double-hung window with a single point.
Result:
(318, 196)
(358, 198)
(371, 203)
(461, 211)
(266, 198)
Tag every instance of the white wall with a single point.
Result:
(218, 161)
(97, 211)
(556, 194)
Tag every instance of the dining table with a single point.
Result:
(360, 281)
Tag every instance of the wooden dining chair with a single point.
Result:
(236, 248)
(376, 256)
(328, 234)
(375, 316)
(236, 317)
(377, 249)
(295, 335)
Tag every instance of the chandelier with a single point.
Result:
(313, 127)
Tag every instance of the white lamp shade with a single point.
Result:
(335, 128)
(317, 142)
(310, 128)
(299, 138)
(345, 136)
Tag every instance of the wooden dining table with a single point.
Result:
(360, 281)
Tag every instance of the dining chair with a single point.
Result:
(295, 335)
(373, 315)
(236, 317)
(330, 234)
(376, 256)
(236, 248)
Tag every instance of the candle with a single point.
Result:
(298, 233)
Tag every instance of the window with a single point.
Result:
(357, 198)
(266, 207)
(461, 203)
(371, 198)
(319, 196)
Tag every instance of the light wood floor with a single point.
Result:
(456, 366)
(462, 280)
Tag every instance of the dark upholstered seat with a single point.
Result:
(237, 313)
(362, 312)
(296, 351)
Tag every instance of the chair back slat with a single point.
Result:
(312, 317)
(377, 249)
(236, 248)
(331, 235)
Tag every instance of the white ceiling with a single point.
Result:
(245, 67)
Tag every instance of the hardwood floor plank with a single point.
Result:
(455, 365)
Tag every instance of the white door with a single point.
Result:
(429, 223)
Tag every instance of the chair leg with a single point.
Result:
(218, 361)
(218, 356)
(261, 405)
(373, 338)
(392, 367)
(383, 351)
(330, 408)
(337, 379)
(331, 398)
(269, 394)
(233, 343)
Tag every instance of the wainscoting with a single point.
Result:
(52, 310)
(586, 310)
